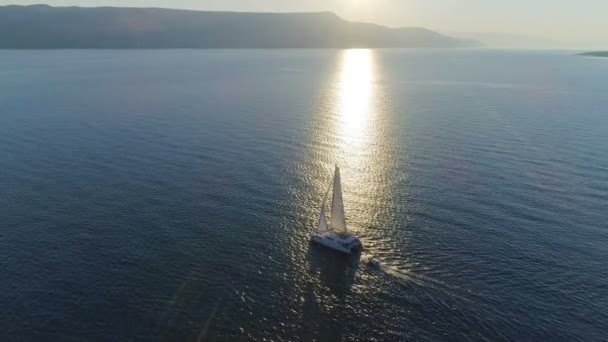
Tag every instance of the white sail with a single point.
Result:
(338, 220)
(322, 227)
(333, 234)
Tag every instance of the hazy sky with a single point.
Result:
(581, 23)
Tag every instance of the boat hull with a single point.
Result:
(348, 244)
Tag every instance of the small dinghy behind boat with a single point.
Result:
(334, 235)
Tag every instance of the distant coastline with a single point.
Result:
(595, 54)
(46, 27)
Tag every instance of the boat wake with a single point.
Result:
(373, 264)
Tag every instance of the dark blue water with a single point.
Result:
(169, 195)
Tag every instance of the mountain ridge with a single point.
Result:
(48, 27)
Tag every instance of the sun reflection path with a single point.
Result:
(355, 93)
(358, 128)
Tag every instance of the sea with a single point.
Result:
(169, 195)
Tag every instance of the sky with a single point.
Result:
(566, 23)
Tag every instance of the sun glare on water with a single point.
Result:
(355, 91)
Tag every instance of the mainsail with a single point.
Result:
(338, 220)
(322, 227)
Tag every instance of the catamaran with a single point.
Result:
(335, 235)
